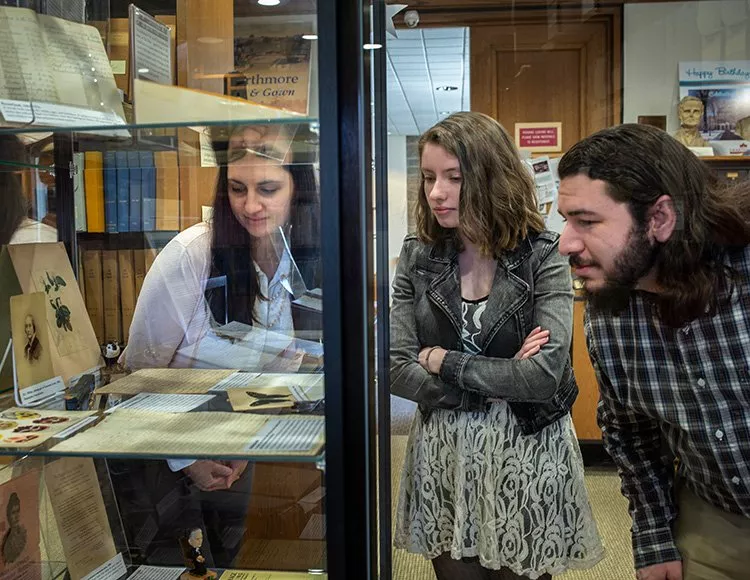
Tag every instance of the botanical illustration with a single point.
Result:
(52, 286)
(62, 317)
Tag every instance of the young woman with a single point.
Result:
(266, 200)
(482, 317)
(264, 237)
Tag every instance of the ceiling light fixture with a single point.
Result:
(269, 2)
(310, 37)
(369, 46)
(446, 88)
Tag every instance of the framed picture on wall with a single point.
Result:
(658, 121)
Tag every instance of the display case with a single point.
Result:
(187, 296)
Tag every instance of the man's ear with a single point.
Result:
(662, 219)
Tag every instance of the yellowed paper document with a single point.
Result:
(80, 514)
(208, 434)
(174, 381)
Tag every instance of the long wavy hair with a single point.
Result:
(497, 205)
(232, 247)
(639, 165)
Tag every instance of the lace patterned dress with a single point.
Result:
(474, 485)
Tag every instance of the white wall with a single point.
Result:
(397, 202)
(658, 36)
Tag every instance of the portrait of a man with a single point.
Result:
(33, 349)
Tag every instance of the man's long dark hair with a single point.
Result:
(639, 165)
(232, 246)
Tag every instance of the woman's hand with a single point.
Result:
(533, 344)
(431, 359)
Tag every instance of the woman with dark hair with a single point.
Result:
(264, 237)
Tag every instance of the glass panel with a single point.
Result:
(162, 367)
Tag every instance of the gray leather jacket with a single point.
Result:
(532, 287)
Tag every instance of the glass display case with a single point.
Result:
(188, 360)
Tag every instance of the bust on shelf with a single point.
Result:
(690, 111)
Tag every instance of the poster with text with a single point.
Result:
(275, 62)
(724, 89)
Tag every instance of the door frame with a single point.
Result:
(611, 16)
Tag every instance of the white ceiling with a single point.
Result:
(418, 62)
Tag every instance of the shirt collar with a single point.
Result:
(282, 272)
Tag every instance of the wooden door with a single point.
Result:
(584, 409)
(527, 70)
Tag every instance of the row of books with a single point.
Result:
(127, 191)
(110, 285)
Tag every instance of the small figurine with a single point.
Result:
(111, 353)
(195, 563)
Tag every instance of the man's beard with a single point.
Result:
(635, 260)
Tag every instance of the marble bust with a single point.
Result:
(690, 111)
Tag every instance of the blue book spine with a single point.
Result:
(110, 192)
(134, 163)
(123, 191)
(148, 191)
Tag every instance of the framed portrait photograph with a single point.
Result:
(31, 342)
(20, 555)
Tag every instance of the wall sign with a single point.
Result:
(539, 137)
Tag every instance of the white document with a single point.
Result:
(112, 570)
(152, 48)
(163, 403)
(238, 380)
(284, 435)
(156, 573)
(50, 114)
(41, 391)
(543, 178)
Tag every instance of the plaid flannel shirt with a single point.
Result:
(669, 393)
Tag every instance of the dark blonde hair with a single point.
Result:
(498, 206)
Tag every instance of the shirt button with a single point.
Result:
(719, 434)
(736, 480)
(701, 383)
